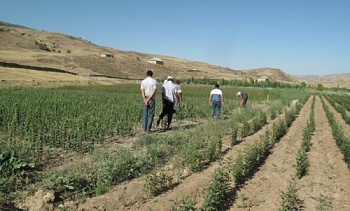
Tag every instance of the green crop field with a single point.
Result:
(47, 134)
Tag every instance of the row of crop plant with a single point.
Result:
(342, 141)
(39, 121)
(341, 108)
(302, 158)
(219, 192)
(343, 100)
(198, 152)
(78, 118)
(290, 199)
(193, 148)
(247, 128)
(34, 119)
(39, 125)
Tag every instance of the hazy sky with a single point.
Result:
(297, 36)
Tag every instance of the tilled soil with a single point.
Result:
(325, 187)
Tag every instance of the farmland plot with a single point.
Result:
(263, 191)
(327, 185)
(324, 188)
(159, 171)
(130, 196)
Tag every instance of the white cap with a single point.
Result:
(169, 78)
(238, 93)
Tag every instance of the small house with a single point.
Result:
(106, 55)
(156, 60)
(263, 79)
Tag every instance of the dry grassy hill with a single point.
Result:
(338, 81)
(272, 73)
(21, 45)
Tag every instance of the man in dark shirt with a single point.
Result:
(244, 97)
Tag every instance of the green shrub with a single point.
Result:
(185, 203)
(157, 183)
(290, 200)
(302, 163)
(218, 191)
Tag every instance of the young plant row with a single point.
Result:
(289, 199)
(343, 100)
(219, 193)
(340, 108)
(194, 148)
(38, 120)
(38, 125)
(342, 141)
(302, 158)
(247, 128)
(246, 164)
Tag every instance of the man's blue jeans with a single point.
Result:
(148, 114)
(216, 105)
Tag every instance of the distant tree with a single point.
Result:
(320, 87)
(303, 84)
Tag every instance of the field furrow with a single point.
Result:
(130, 195)
(263, 191)
(327, 186)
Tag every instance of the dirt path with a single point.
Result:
(130, 195)
(263, 191)
(327, 185)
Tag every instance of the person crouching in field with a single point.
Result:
(216, 101)
(244, 98)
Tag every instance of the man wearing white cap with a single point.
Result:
(168, 99)
(244, 97)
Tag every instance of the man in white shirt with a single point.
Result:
(148, 90)
(168, 99)
(216, 101)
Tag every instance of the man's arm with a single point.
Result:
(152, 93)
(145, 101)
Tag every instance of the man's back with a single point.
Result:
(169, 89)
(148, 84)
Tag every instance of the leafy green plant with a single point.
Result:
(290, 199)
(246, 164)
(11, 164)
(234, 132)
(184, 203)
(302, 163)
(325, 202)
(217, 196)
(101, 187)
(157, 183)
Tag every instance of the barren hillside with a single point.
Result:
(271, 73)
(339, 81)
(21, 45)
